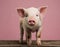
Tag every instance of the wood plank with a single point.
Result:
(16, 43)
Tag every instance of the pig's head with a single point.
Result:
(32, 16)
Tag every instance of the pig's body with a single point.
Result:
(30, 21)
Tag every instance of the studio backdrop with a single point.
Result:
(9, 19)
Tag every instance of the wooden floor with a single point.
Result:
(16, 43)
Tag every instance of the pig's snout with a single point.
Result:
(31, 22)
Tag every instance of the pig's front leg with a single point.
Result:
(28, 38)
(21, 34)
(38, 37)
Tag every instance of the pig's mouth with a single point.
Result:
(31, 24)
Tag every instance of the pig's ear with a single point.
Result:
(21, 11)
(43, 10)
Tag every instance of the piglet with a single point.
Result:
(31, 21)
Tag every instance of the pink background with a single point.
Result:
(9, 19)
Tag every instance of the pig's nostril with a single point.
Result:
(30, 21)
(34, 21)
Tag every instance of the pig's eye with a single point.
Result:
(36, 15)
(26, 15)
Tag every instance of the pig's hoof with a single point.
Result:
(21, 42)
(29, 44)
(39, 43)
